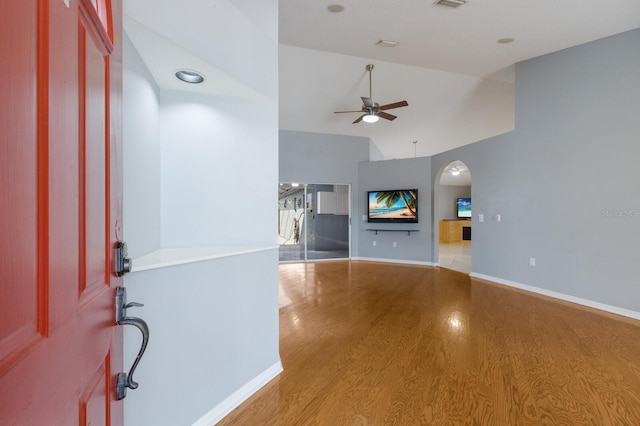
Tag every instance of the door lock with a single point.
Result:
(123, 262)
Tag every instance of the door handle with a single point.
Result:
(125, 380)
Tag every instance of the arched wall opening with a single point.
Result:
(452, 217)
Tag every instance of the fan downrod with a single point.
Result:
(371, 108)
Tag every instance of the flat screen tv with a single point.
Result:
(464, 208)
(394, 206)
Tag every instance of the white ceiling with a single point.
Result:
(461, 40)
(456, 78)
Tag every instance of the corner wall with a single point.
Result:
(202, 171)
(396, 174)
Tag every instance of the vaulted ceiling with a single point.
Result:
(448, 64)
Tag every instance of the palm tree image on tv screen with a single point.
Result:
(393, 206)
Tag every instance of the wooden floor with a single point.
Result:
(382, 344)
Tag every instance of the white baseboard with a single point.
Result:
(401, 261)
(239, 396)
(561, 296)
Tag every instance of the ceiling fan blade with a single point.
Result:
(394, 105)
(387, 116)
(342, 112)
(359, 119)
(367, 102)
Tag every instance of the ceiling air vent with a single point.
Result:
(452, 4)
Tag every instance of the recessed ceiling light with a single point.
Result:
(335, 8)
(506, 40)
(387, 43)
(190, 76)
(450, 3)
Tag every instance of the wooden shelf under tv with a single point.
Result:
(451, 230)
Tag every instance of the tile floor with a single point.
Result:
(456, 256)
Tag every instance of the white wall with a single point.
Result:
(219, 162)
(213, 329)
(202, 171)
(141, 155)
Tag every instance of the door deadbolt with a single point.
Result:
(123, 262)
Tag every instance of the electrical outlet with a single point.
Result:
(395, 244)
(532, 261)
(374, 243)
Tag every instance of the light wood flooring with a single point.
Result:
(367, 343)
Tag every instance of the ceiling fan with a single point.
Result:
(372, 111)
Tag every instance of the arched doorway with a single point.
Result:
(453, 217)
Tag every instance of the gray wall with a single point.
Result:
(320, 157)
(565, 181)
(330, 231)
(396, 174)
(448, 195)
(324, 158)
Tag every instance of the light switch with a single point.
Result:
(480, 217)
(498, 217)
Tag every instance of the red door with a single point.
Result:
(60, 211)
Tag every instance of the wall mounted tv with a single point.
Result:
(394, 206)
(464, 208)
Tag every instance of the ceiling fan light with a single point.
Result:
(370, 118)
